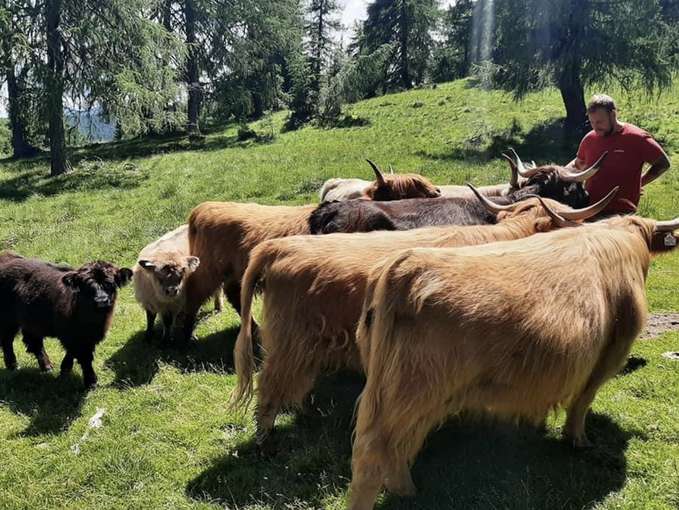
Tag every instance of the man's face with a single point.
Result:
(602, 121)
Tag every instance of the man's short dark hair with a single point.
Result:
(601, 101)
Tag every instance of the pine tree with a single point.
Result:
(407, 26)
(18, 37)
(451, 58)
(572, 43)
(319, 28)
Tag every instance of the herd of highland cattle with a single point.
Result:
(509, 300)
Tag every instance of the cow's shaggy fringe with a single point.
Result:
(510, 329)
(400, 186)
(391, 187)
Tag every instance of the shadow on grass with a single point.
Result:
(313, 452)
(465, 465)
(500, 466)
(545, 143)
(137, 362)
(93, 178)
(102, 166)
(50, 402)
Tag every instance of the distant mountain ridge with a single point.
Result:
(90, 124)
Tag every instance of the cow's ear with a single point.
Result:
(71, 279)
(123, 276)
(147, 264)
(192, 263)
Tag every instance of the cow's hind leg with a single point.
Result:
(372, 467)
(7, 334)
(35, 345)
(366, 482)
(232, 292)
(610, 362)
(279, 386)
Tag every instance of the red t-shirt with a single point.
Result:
(628, 150)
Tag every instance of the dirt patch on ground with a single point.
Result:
(660, 323)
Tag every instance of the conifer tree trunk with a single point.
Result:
(192, 71)
(403, 43)
(55, 89)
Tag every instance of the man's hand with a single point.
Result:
(659, 167)
(577, 163)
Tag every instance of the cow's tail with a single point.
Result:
(243, 352)
(375, 330)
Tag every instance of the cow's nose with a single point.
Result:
(102, 302)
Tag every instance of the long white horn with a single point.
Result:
(592, 210)
(378, 173)
(514, 179)
(587, 173)
(523, 171)
(558, 220)
(667, 226)
(489, 204)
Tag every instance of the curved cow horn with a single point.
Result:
(521, 168)
(585, 174)
(489, 204)
(391, 170)
(667, 226)
(560, 222)
(514, 179)
(592, 210)
(378, 173)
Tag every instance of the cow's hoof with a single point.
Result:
(12, 366)
(267, 449)
(266, 446)
(582, 443)
(90, 385)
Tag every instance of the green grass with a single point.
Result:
(167, 440)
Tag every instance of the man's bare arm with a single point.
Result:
(659, 167)
(577, 163)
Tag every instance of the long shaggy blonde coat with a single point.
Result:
(513, 329)
(222, 235)
(313, 292)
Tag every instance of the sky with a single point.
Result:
(352, 10)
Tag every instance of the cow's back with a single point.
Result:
(175, 241)
(522, 324)
(33, 293)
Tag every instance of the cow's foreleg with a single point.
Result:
(36, 346)
(67, 364)
(85, 358)
(168, 328)
(7, 335)
(219, 301)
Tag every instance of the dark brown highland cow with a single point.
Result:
(73, 305)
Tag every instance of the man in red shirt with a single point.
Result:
(628, 147)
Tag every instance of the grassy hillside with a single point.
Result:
(166, 439)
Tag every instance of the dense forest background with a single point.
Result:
(80, 69)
